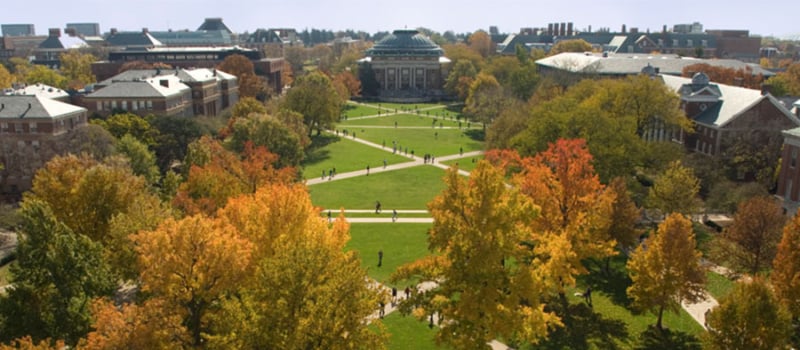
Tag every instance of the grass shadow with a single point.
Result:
(614, 283)
(476, 134)
(654, 339)
(316, 152)
(585, 329)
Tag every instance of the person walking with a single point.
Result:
(367, 169)
(380, 258)
(394, 215)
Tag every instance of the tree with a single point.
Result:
(575, 209)
(267, 131)
(486, 99)
(39, 74)
(675, 190)
(5, 77)
(216, 175)
(191, 264)
(750, 317)
(142, 161)
(624, 216)
(785, 276)
(460, 79)
(174, 136)
(786, 82)
(481, 43)
(131, 326)
(574, 45)
(250, 85)
(314, 96)
(350, 82)
(665, 270)
(751, 241)
(57, 274)
(77, 68)
(479, 225)
(462, 52)
(122, 124)
(743, 77)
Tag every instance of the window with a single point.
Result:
(32, 127)
(149, 105)
(99, 106)
(4, 127)
(134, 105)
(704, 43)
(124, 105)
(689, 42)
(113, 104)
(674, 42)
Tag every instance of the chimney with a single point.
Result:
(634, 30)
(55, 33)
(590, 28)
(623, 29)
(164, 82)
(664, 30)
(563, 29)
(70, 31)
(113, 31)
(569, 29)
(550, 29)
(145, 31)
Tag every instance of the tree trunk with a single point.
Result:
(660, 316)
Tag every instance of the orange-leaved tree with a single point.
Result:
(216, 175)
(785, 276)
(489, 286)
(665, 270)
(750, 243)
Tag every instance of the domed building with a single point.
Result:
(407, 67)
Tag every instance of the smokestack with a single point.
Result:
(664, 30)
(145, 30)
(590, 28)
(55, 33)
(563, 29)
(70, 31)
(113, 31)
(550, 29)
(623, 29)
(569, 29)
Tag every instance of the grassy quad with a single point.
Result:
(410, 188)
(718, 285)
(401, 244)
(402, 120)
(406, 332)
(439, 142)
(467, 163)
(345, 155)
(355, 110)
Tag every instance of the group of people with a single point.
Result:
(428, 158)
(394, 300)
(330, 173)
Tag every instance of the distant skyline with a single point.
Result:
(776, 18)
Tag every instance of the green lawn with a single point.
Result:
(405, 106)
(410, 188)
(386, 214)
(345, 155)
(401, 244)
(468, 163)
(402, 120)
(439, 142)
(409, 333)
(353, 110)
(718, 285)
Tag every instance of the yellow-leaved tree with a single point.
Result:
(665, 269)
(489, 287)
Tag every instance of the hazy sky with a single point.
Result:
(775, 17)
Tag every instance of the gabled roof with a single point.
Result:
(182, 74)
(214, 24)
(195, 38)
(63, 43)
(147, 88)
(135, 39)
(21, 107)
(733, 101)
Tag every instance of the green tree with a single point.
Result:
(750, 317)
(665, 270)
(174, 136)
(39, 74)
(479, 224)
(460, 78)
(141, 159)
(786, 82)
(267, 131)
(575, 45)
(624, 216)
(122, 124)
(56, 275)
(314, 96)
(750, 243)
(5, 77)
(77, 68)
(486, 99)
(674, 191)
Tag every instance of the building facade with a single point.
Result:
(408, 67)
(33, 129)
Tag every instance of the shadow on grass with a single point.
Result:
(476, 134)
(585, 329)
(316, 152)
(654, 339)
(614, 283)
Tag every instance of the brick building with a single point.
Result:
(789, 177)
(33, 129)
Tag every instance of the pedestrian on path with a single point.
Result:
(394, 296)
(380, 258)
(384, 163)
(367, 169)
(329, 216)
(394, 215)
(461, 151)
(408, 292)
(381, 310)
(588, 296)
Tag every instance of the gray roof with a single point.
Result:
(184, 75)
(214, 24)
(733, 101)
(195, 38)
(628, 64)
(20, 107)
(147, 88)
(42, 90)
(125, 39)
(63, 43)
